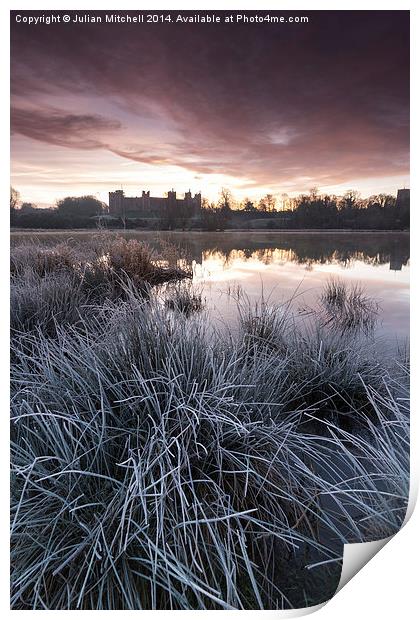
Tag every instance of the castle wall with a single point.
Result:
(153, 207)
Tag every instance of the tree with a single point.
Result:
(248, 206)
(386, 201)
(27, 207)
(80, 206)
(313, 193)
(292, 204)
(267, 204)
(14, 198)
(350, 200)
(262, 205)
(285, 201)
(226, 201)
(212, 217)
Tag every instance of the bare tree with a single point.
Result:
(313, 193)
(14, 198)
(284, 201)
(226, 201)
(267, 204)
(386, 200)
(248, 206)
(350, 200)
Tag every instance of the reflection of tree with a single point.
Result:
(304, 249)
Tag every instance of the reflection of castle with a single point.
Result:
(151, 207)
(398, 257)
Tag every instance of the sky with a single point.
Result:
(258, 108)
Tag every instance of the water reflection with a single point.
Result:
(279, 264)
(305, 248)
(396, 258)
(301, 248)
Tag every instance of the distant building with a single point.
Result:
(403, 198)
(147, 206)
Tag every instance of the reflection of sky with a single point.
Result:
(281, 279)
(301, 267)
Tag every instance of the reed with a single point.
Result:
(158, 463)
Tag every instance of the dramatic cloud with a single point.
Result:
(273, 106)
(55, 127)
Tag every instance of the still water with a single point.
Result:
(286, 264)
(298, 266)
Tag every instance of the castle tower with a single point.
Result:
(116, 203)
(197, 202)
(403, 197)
(145, 203)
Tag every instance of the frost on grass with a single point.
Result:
(348, 307)
(160, 464)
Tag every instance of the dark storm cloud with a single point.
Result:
(268, 103)
(62, 129)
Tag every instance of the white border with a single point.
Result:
(388, 585)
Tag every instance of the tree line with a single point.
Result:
(311, 210)
(70, 212)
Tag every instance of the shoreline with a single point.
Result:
(258, 232)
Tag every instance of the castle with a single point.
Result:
(403, 198)
(148, 206)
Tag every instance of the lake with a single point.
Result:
(286, 264)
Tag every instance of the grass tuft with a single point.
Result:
(160, 464)
(348, 307)
(184, 298)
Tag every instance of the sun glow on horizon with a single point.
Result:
(65, 172)
(151, 115)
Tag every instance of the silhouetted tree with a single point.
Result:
(27, 207)
(14, 198)
(350, 200)
(226, 201)
(84, 206)
(384, 201)
(286, 203)
(14, 202)
(267, 204)
(248, 206)
(213, 217)
(313, 193)
(312, 210)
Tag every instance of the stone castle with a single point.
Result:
(148, 206)
(403, 197)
